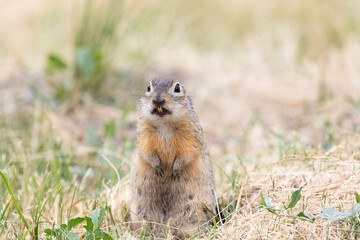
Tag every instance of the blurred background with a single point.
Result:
(269, 79)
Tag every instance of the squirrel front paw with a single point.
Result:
(158, 171)
(154, 161)
(177, 167)
(175, 173)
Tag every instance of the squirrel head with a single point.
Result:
(165, 99)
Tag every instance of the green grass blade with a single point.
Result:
(113, 221)
(5, 220)
(37, 216)
(38, 213)
(48, 198)
(72, 202)
(15, 202)
(6, 207)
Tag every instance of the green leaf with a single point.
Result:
(110, 129)
(106, 235)
(265, 202)
(304, 215)
(88, 236)
(67, 235)
(89, 225)
(262, 200)
(74, 222)
(97, 217)
(357, 197)
(54, 64)
(73, 236)
(49, 232)
(355, 210)
(98, 234)
(332, 215)
(295, 197)
(269, 202)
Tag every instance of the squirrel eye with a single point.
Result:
(177, 88)
(149, 88)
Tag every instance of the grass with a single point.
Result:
(94, 44)
(275, 85)
(14, 201)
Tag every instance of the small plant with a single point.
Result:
(329, 213)
(350, 221)
(267, 203)
(92, 227)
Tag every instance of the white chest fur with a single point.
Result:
(166, 132)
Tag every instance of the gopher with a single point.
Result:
(172, 182)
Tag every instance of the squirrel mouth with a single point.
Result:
(160, 111)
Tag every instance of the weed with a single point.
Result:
(92, 227)
(349, 222)
(268, 204)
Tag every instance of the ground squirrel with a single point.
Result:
(172, 180)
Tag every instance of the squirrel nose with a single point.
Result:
(158, 101)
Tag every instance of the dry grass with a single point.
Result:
(332, 177)
(275, 84)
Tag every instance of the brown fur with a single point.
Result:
(172, 181)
